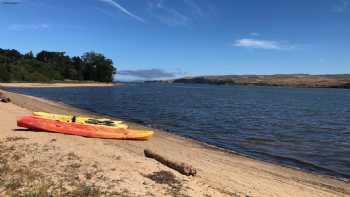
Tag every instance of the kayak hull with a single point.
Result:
(80, 119)
(42, 124)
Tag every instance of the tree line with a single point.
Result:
(47, 66)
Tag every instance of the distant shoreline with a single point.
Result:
(56, 85)
(288, 80)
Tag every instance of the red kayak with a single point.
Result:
(37, 123)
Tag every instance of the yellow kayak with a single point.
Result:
(82, 120)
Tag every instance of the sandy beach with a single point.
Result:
(54, 85)
(37, 162)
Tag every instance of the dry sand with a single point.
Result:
(54, 85)
(72, 165)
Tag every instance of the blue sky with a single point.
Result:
(169, 38)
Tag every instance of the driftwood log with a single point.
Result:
(183, 168)
(4, 99)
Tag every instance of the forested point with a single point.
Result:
(48, 66)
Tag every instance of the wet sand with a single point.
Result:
(126, 170)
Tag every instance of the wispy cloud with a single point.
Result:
(26, 27)
(122, 9)
(254, 43)
(178, 13)
(254, 34)
(165, 14)
(196, 9)
(261, 44)
(148, 73)
(341, 6)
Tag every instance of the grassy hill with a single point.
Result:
(295, 80)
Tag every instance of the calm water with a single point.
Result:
(303, 128)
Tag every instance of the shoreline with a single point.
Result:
(225, 172)
(56, 85)
(337, 81)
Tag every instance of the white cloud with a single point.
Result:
(258, 44)
(25, 27)
(122, 9)
(265, 44)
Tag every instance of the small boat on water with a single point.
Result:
(85, 130)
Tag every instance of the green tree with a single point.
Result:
(12, 55)
(29, 55)
(4, 73)
(49, 66)
(98, 67)
(4, 68)
(79, 66)
(57, 60)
